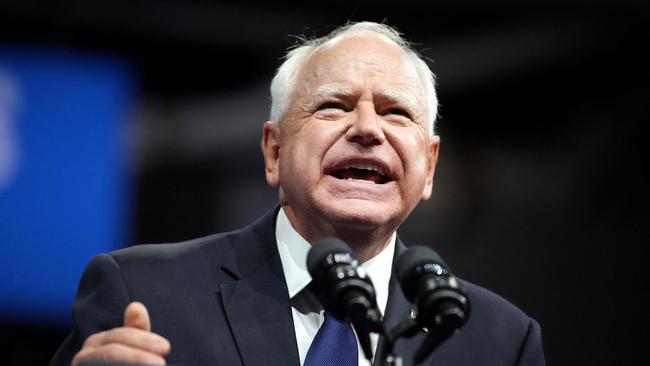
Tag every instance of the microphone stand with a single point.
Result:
(450, 321)
(407, 328)
(388, 357)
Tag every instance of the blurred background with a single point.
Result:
(125, 122)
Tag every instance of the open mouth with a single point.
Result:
(370, 172)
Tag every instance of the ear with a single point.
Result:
(432, 160)
(271, 151)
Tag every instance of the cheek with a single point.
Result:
(411, 147)
(302, 152)
(319, 138)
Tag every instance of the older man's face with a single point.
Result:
(353, 152)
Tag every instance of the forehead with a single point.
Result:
(360, 61)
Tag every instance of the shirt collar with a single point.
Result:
(293, 250)
(293, 254)
(379, 269)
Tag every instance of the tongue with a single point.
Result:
(361, 174)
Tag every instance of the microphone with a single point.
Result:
(343, 288)
(442, 306)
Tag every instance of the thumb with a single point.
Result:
(136, 316)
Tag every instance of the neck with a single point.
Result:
(364, 242)
(365, 250)
(365, 245)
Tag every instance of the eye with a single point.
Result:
(398, 111)
(331, 105)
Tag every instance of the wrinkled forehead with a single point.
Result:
(360, 58)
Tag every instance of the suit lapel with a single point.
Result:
(257, 305)
(398, 308)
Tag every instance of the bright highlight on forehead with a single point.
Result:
(360, 33)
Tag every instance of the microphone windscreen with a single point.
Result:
(408, 263)
(323, 248)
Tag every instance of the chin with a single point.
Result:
(360, 215)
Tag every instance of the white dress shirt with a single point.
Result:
(305, 308)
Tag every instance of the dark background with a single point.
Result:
(540, 193)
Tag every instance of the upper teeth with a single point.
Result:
(366, 166)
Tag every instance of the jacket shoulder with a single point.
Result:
(496, 332)
(148, 269)
(491, 311)
(492, 305)
(164, 252)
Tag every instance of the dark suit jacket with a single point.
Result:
(223, 300)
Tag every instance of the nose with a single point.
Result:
(365, 129)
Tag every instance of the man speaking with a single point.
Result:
(351, 147)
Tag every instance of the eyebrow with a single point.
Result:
(395, 96)
(408, 100)
(325, 91)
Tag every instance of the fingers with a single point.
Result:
(131, 337)
(119, 353)
(136, 316)
(132, 343)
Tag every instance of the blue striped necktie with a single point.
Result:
(334, 345)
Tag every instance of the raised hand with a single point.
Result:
(132, 343)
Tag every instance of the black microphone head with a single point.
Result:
(343, 288)
(326, 252)
(337, 277)
(442, 306)
(415, 262)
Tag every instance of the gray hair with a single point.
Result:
(283, 82)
